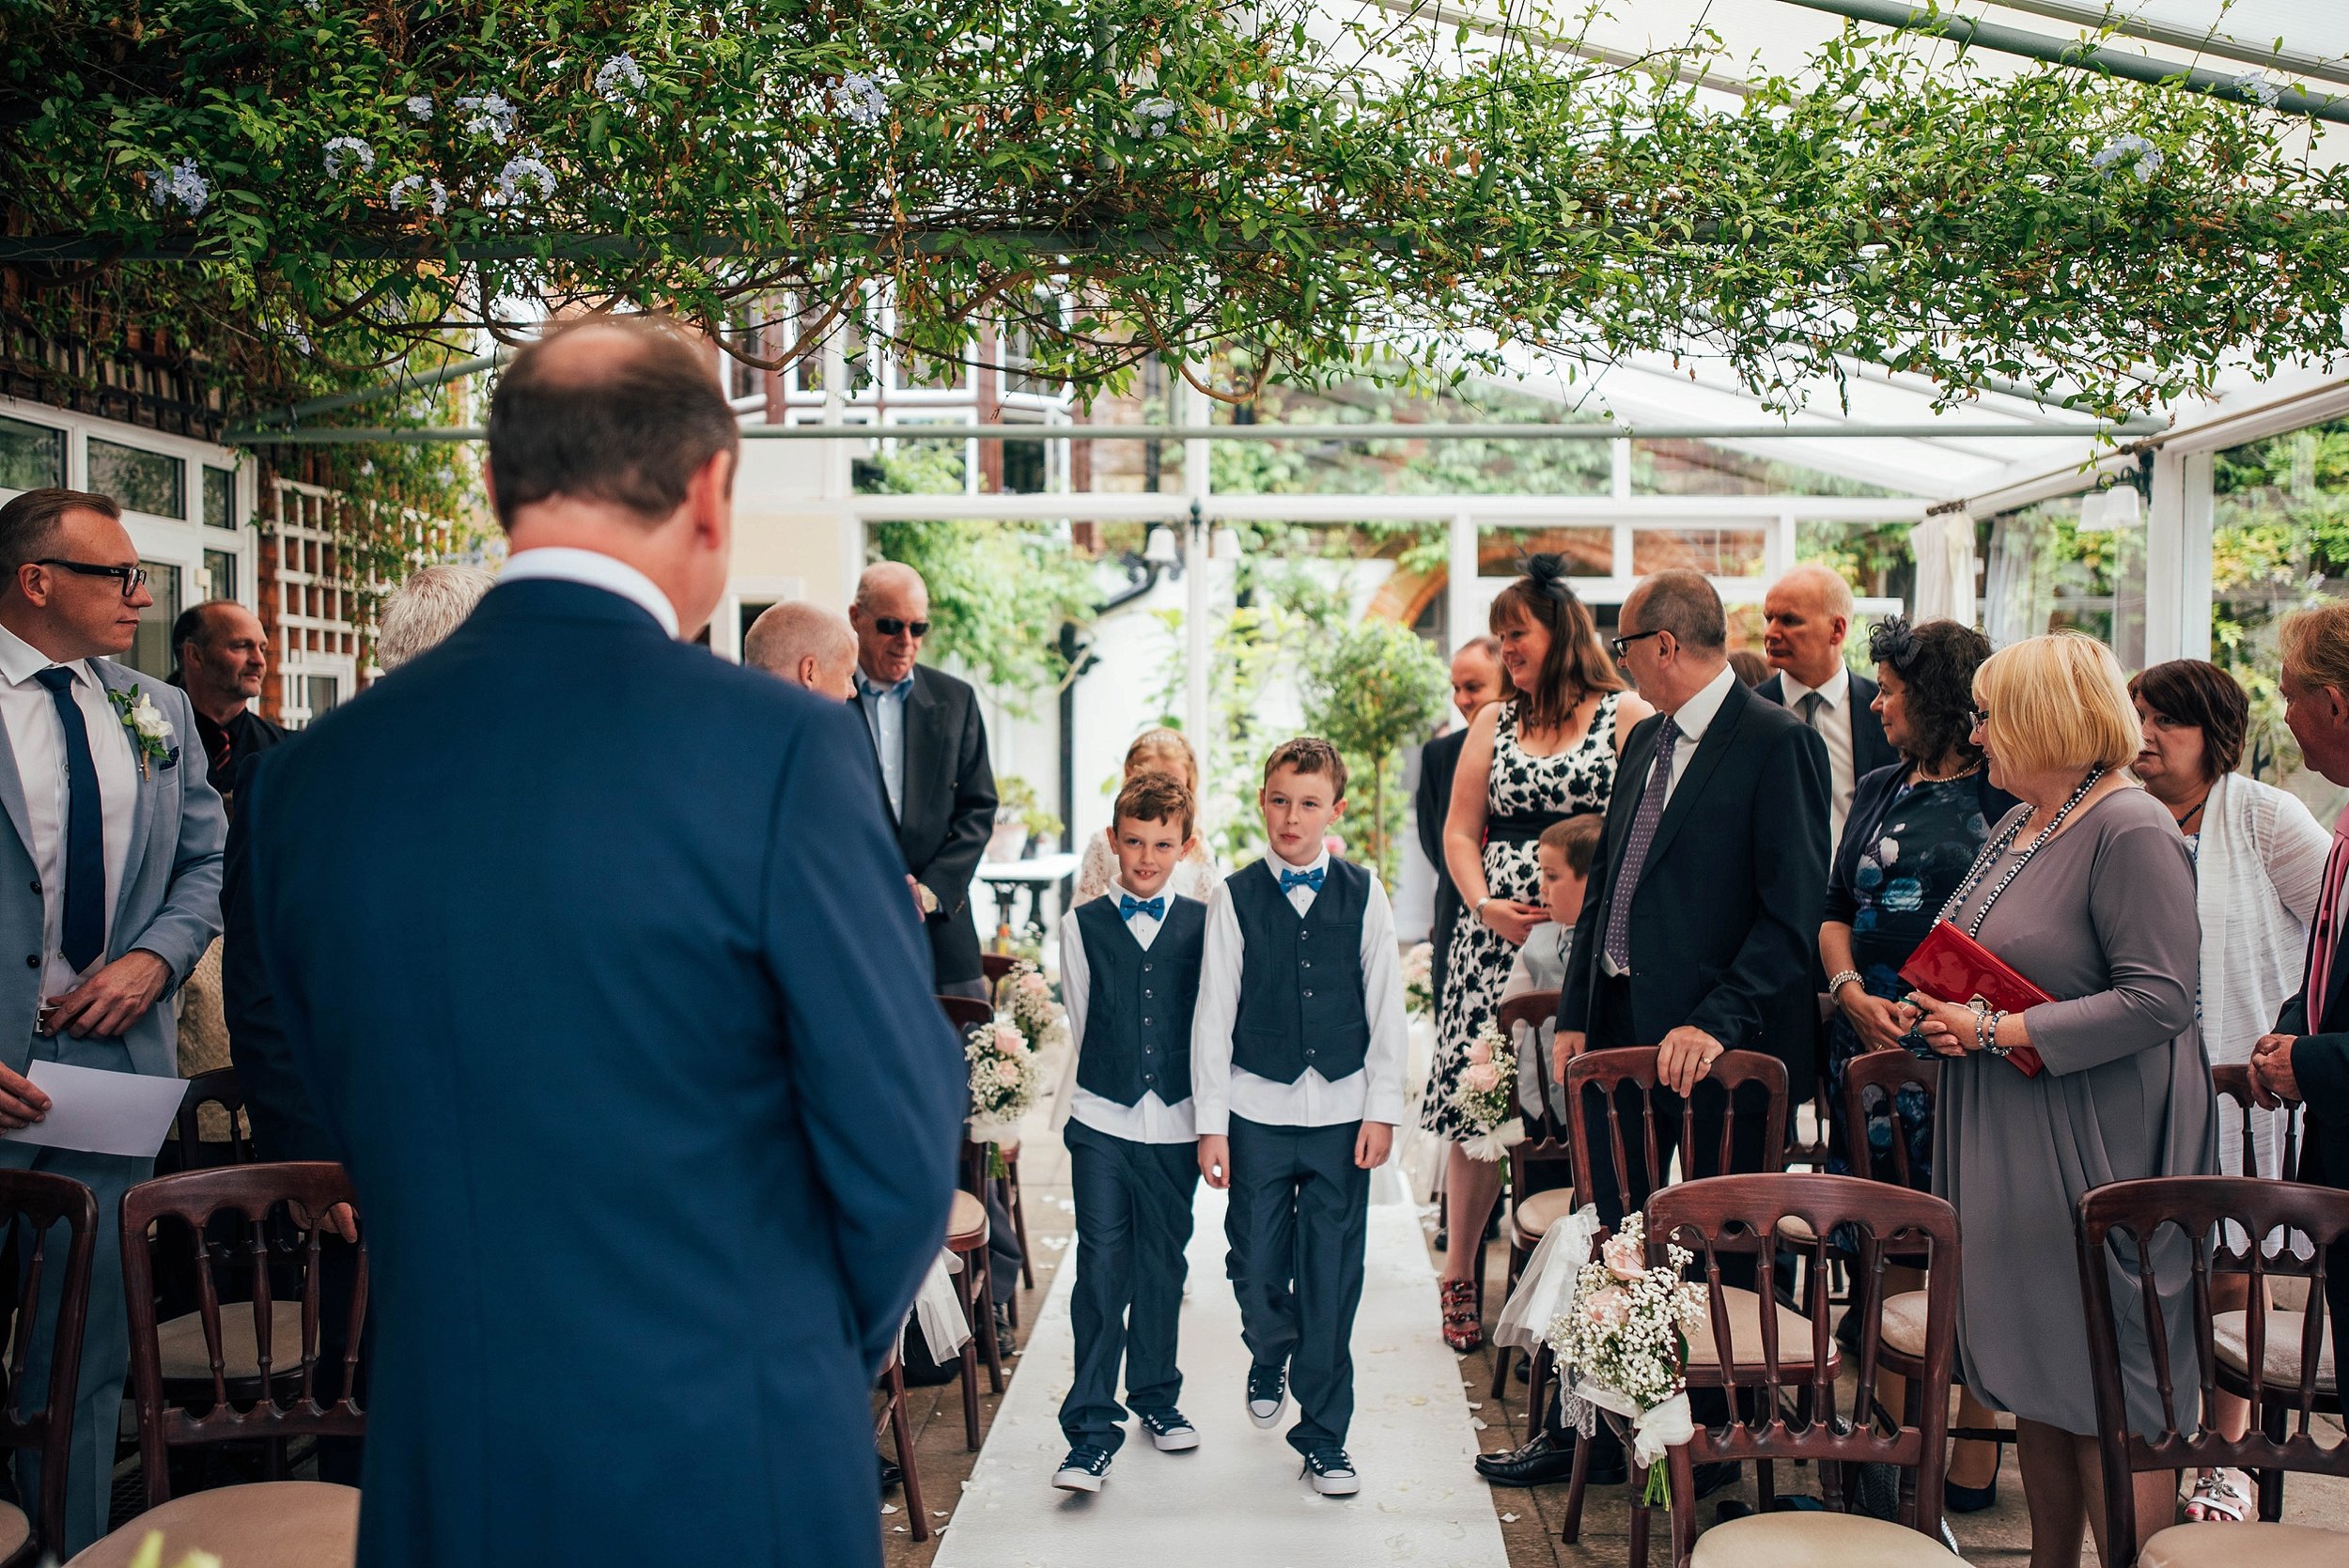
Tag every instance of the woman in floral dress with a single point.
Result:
(1545, 750)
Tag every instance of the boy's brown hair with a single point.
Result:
(1577, 839)
(1156, 798)
(1309, 753)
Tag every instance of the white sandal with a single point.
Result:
(2218, 1497)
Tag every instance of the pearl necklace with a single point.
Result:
(1991, 851)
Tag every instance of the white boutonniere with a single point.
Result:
(150, 731)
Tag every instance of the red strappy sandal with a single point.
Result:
(1463, 1330)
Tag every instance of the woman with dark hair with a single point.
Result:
(1914, 829)
(1545, 752)
(2259, 865)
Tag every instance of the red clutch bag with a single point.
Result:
(1951, 966)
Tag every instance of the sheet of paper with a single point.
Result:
(102, 1112)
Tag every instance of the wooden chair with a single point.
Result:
(996, 965)
(33, 1204)
(220, 1088)
(966, 1238)
(2116, 1227)
(966, 1014)
(893, 1420)
(1531, 1212)
(1609, 1078)
(266, 1376)
(1784, 1364)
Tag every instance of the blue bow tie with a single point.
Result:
(1128, 907)
(1290, 879)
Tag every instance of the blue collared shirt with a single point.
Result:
(884, 710)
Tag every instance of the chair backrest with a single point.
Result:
(266, 1204)
(2139, 1240)
(1882, 1075)
(2232, 1083)
(1534, 1009)
(964, 1012)
(1598, 1075)
(1738, 1216)
(218, 1087)
(996, 965)
(33, 1204)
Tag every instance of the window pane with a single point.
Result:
(748, 615)
(151, 653)
(1713, 551)
(32, 456)
(1700, 468)
(1586, 552)
(220, 574)
(2045, 574)
(1024, 468)
(320, 692)
(220, 498)
(141, 481)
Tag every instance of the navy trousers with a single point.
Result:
(1133, 1221)
(1299, 1217)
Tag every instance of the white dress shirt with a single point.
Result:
(1221, 1091)
(884, 710)
(38, 739)
(562, 564)
(1148, 1120)
(1835, 728)
(1693, 717)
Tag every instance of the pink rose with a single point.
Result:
(1485, 1077)
(1625, 1258)
(1479, 1053)
(1034, 984)
(1009, 1041)
(1008, 1073)
(1604, 1306)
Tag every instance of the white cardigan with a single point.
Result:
(2258, 872)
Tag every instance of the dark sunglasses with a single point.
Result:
(890, 626)
(1623, 644)
(131, 578)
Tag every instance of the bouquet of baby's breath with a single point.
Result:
(1419, 981)
(1622, 1344)
(1486, 1097)
(1026, 998)
(1003, 1080)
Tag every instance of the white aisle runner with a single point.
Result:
(1236, 1500)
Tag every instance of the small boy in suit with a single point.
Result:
(1129, 978)
(1296, 1081)
(1565, 852)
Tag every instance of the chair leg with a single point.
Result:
(1020, 1226)
(971, 1394)
(901, 1438)
(986, 1321)
(1638, 1530)
(2269, 1484)
(1537, 1389)
(1575, 1485)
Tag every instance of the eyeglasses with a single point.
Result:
(1623, 644)
(131, 578)
(890, 626)
(1978, 717)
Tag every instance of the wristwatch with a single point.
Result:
(927, 899)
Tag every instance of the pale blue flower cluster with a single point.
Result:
(2259, 86)
(2122, 149)
(860, 98)
(1154, 115)
(420, 106)
(180, 183)
(438, 200)
(342, 151)
(493, 115)
(522, 170)
(619, 77)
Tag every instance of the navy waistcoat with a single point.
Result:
(1137, 1013)
(1300, 980)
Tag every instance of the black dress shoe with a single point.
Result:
(1548, 1461)
(1006, 1341)
(889, 1473)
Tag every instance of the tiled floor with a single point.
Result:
(1530, 1520)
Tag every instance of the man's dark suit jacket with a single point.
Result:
(1869, 750)
(1725, 919)
(2320, 1060)
(594, 954)
(284, 1125)
(949, 811)
(1431, 805)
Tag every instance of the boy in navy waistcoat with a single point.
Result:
(1297, 1078)
(1129, 978)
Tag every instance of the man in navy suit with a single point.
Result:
(1806, 618)
(594, 951)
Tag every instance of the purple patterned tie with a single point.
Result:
(1626, 881)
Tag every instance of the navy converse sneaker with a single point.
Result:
(1267, 1393)
(1168, 1430)
(1083, 1470)
(1332, 1473)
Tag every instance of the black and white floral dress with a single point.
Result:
(1523, 792)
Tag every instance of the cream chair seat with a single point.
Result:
(1808, 1540)
(267, 1524)
(2233, 1545)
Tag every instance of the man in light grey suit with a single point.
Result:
(109, 889)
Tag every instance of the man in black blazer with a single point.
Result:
(931, 744)
(1806, 616)
(2307, 1058)
(1475, 681)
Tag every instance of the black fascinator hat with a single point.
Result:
(1547, 573)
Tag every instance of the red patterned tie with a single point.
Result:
(2327, 938)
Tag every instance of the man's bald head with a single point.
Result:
(1806, 617)
(619, 410)
(891, 615)
(807, 645)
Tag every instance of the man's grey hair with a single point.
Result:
(786, 634)
(1682, 603)
(422, 611)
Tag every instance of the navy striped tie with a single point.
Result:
(84, 934)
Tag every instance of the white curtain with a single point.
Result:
(1944, 548)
